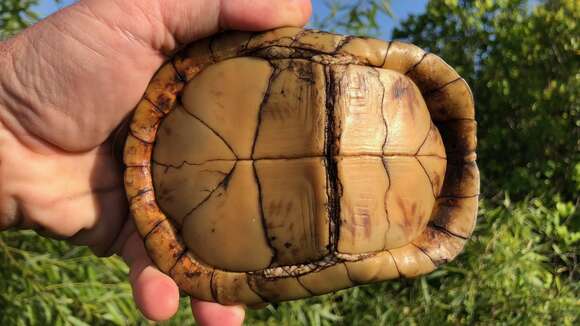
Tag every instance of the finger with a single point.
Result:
(63, 193)
(109, 203)
(112, 48)
(172, 22)
(110, 216)
(211, 313)
(156, 294)
(261, 15)
(202, 18)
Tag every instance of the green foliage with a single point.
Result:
(521, 267)
(48, 282)
(355, 16)
(522, 62)
(509, 273)
(16, 15)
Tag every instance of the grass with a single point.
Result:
(520, 267)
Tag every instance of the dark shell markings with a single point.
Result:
(263, 167)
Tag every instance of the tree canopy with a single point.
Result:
(16, 15)
(359, 17)
(522, 62)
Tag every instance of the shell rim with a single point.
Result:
(138, 178)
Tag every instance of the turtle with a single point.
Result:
(270, 166)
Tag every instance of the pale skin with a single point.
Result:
(66, 84)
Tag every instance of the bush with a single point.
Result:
(519, 268)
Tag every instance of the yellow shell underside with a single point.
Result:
(275, 166)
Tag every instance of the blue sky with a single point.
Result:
(401, 9)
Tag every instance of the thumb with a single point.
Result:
(75, 75)
(173, 22)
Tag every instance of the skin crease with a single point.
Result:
(66, 84)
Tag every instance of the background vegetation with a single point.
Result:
(521, 267)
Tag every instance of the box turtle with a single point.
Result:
(263, 167)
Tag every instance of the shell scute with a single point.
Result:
(265, 167)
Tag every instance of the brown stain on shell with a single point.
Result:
(397, 56)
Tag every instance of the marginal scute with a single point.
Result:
(284, 36)
(231, 288)
(459, 137)
(163, 246)
(319, 41)
(411, 261)
(233, 117)
(146, 213)
(441, 247)
(456, 215)
(137, 152)
(326, 280)
(145, 120)
(278, 289)
(190, 61)
(461, 180)
(432, 74)
(137, 180)
(193, 277)
(228, 45)
(371, 52)
(450, 102)
(376, 268)
(402, 57)
(163, 88)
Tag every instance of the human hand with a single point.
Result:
(66, 83)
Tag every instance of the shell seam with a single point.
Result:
(212, 130)
(446, 231)
(428, 177)
(223, 182)
(426, 254)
